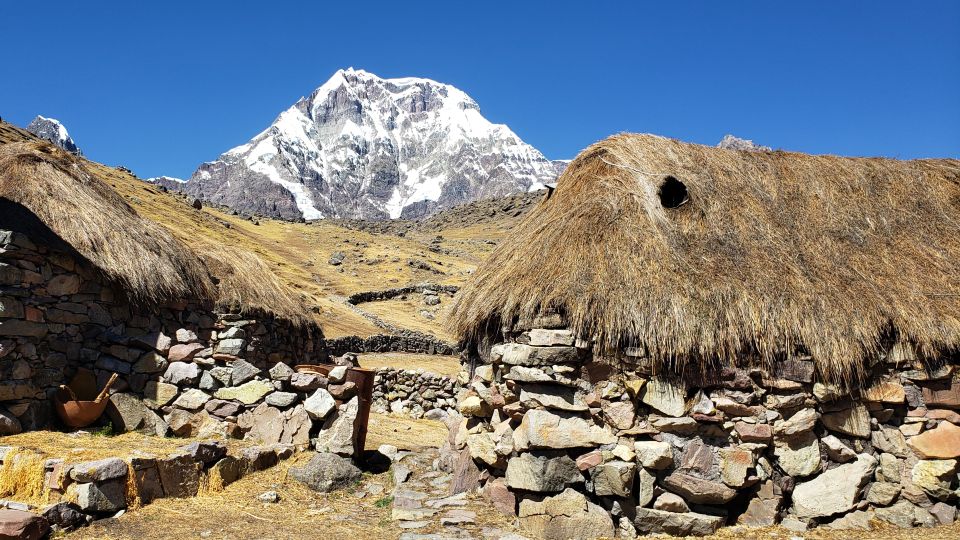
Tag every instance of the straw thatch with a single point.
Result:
(141, 256)
(774, 253)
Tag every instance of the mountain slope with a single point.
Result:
(365, 147)
(52, 130)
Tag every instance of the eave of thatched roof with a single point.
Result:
(141, 256)
(773, 253)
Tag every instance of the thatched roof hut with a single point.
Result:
(148, 263)
(705, 255)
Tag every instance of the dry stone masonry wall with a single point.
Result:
(414, 392)
(183, 368)
(579, 448)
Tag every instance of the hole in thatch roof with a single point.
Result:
(673, 193)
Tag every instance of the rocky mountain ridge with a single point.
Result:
(365, 147)
(52, 130)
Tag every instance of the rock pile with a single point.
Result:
(413, 392)
(578, 448)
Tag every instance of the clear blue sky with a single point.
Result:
(163, 86)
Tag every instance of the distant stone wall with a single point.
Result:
(579, 449)
(414, 392)
(183, 368)
(427, 289)
(410, 342)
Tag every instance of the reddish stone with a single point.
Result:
(17, 524)
(944, 414)
(503, 499)
(940, 443)
(182, 353)
(589, 460)
(32, 314)
(754, 433)
(466, 475)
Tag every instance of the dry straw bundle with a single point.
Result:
(703, 255)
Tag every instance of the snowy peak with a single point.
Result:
(360, 146)
(52, 130)
(730, 142)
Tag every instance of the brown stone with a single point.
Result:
(63, 285)
(943, 442)
(854, 421)
(754, 433)
(20, 525)
(698, 490)
(500, 496)
(183, 352)
(942, 394)
(179, 475)
(944, 414)
(466, 475)
(589, 460)
(886, 392)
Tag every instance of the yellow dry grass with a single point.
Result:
(76, 447)
(772, 254)
(438, 364)
(403, 432)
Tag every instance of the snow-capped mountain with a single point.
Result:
(52, 130)
(731, 142)
(365, 147)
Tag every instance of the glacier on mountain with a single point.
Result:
(365, 147)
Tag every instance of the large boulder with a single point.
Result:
(567, 516)
(543, 429)
(326, 472)
(834, 491)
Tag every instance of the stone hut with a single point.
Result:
(203, 336)
(680, 337)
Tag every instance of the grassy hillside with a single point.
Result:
(444, 250)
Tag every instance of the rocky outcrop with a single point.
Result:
(687, 455)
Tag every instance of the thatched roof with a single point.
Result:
(772, 253)
(141, 256)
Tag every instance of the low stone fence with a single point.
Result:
(410, 342)
(414, 392)
(583, 449)
(427, 289)
(80, 492)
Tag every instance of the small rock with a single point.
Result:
(269, 497)
(327, 472)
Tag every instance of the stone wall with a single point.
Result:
(579, 448)
(183, 368)
(405, 341)
(414, 392)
